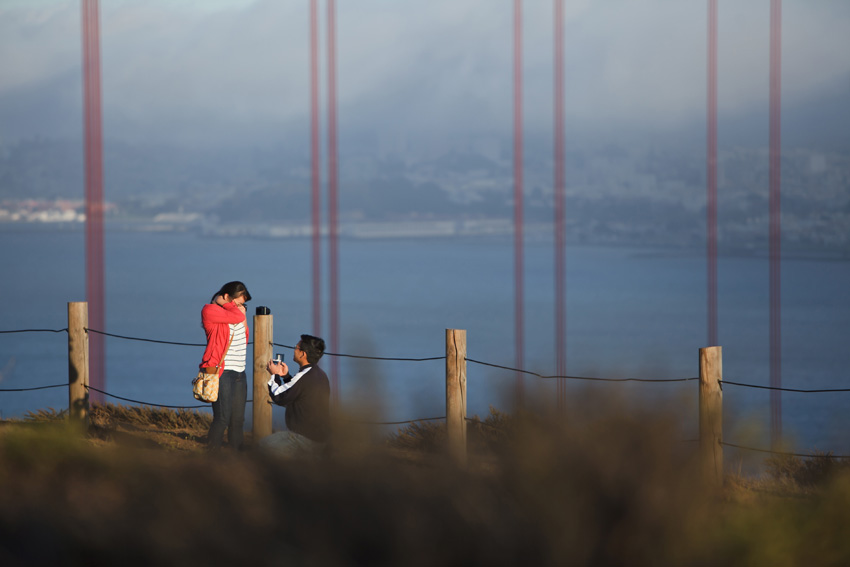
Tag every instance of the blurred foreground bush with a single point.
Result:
(608, 487)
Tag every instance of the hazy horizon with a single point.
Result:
(236, 72)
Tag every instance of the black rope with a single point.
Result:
(35, 331)
(784, 389)
(431, 358)
(147, 403)
(582, 377)
(145, 340)
(391, 422)
(31, 389)
(479, 422)
(827, 456)
(371, 357)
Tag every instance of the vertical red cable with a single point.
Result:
(711, 173)
(775, 220)
(95, 288)
(333, 197)
(560, 236)
(315, 158)
(519, 264)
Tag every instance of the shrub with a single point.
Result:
(804, 472)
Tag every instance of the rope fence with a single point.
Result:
(580, 377)
(143, 340)
(145, 403)
(432, 358)
(785, 454)
(360, 356)
(65, 330)
(362, 422)
(249, 402)
(33, 388)
(708, 385)
(795, 390)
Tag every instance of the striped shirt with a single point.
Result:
(237, 353)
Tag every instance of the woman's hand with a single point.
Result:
(279, 369)
(224, 299)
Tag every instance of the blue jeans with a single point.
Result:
(289, 444)
(229, 410)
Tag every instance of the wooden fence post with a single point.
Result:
(78, 361)
(711, 413)
(456, 394)
(263, 347)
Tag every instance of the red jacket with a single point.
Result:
(216, 320)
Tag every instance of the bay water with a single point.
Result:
(631, 313)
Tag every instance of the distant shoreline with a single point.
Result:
(535, 233)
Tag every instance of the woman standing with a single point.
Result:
(226, 327)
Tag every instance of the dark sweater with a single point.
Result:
(306, 398)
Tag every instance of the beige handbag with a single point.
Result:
(205, 384)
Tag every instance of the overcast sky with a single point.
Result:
(237, 71)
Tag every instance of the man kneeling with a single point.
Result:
(306, 399)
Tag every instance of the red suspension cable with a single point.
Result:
(315, 158)
(560, 236)
(333, 198)
(711, 173)
(93, 127)
(519, 263)
(775, 219)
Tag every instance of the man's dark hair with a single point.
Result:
(313, 348)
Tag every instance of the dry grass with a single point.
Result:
(484, 436)
(805, 474)
(604, 488)
(133, 426)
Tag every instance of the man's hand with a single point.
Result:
(280, 369)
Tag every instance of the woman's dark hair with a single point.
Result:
(234, 290)
(313, 348)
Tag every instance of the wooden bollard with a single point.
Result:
(456, 394)
(78, 361)
(263, 347)
(711, 413)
